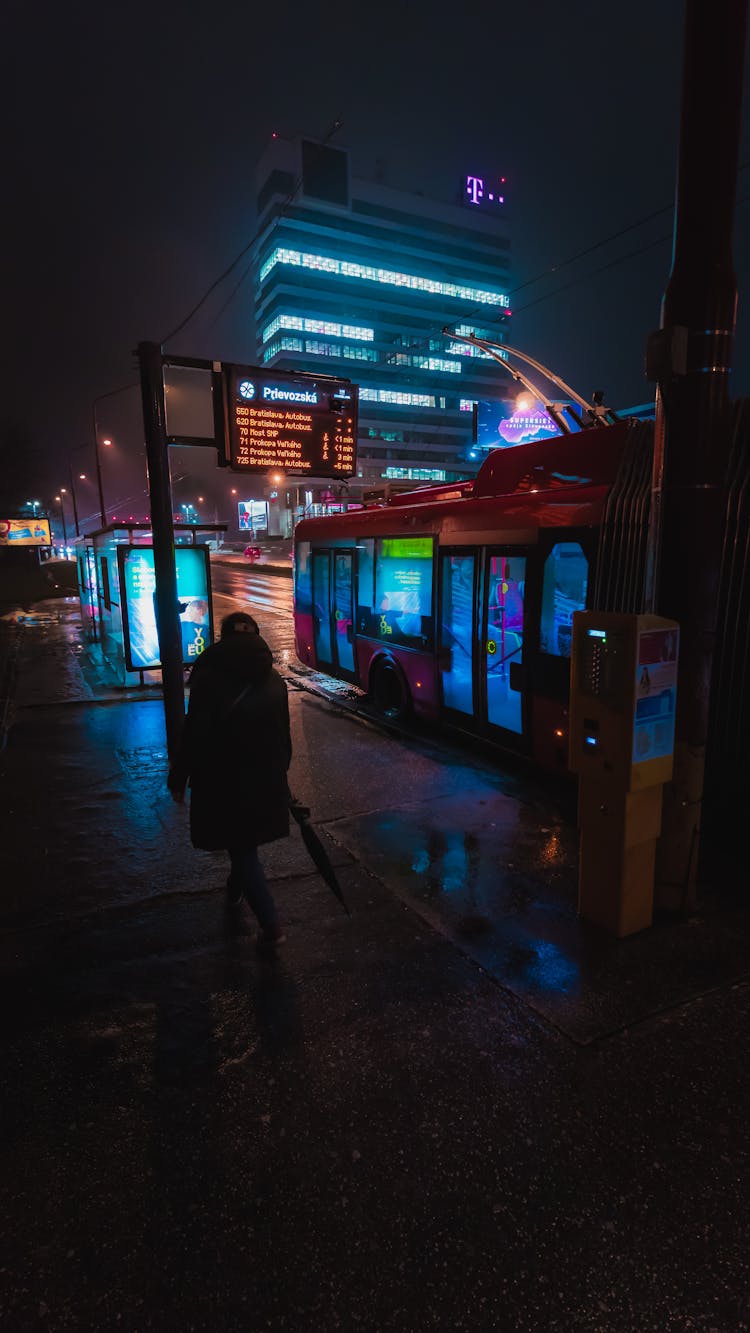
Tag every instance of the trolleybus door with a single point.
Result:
(501, 655)
(457, 629)
(343, 609)
(321, 596)
(333, 609)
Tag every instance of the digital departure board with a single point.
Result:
(298, 424)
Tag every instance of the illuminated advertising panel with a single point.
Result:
(137, 588)
(25, 532)
(403, 589)
(500, 426)
(292, 423)
(252, 515)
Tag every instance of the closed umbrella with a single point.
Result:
(311, 839)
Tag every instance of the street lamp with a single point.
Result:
(95, 436)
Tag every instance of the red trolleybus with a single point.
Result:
(456, 602)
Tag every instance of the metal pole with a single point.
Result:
(162, 527)
(73, 497)
(62, 516)
(98, 468)
(691, 359)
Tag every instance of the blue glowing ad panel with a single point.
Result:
(501, 425)
(137, 590)
(403, 587)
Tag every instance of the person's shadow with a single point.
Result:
(200, 1062)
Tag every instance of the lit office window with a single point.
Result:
(467, 350)
(415, 473)
(466, 404)
(315, 348)
(329, 328)
(465, 330)
(284, 344)
(394, 396)
(369, 273)
(437, 363)
(424, 362)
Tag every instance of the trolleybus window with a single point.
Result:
(563, 592)
(303, 579)
(342, 615)
(456, 631)
(403, 591)
(506, 584)
(365, 584)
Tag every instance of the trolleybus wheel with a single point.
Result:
(389, 691)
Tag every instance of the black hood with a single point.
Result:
(244, 656)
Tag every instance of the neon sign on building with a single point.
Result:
(484, 192)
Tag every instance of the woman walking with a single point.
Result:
(234, 752)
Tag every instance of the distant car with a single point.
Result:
(253, 552)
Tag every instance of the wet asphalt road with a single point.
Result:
(268, 597)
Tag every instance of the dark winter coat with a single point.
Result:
(235, 755)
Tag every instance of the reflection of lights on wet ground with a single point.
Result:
(551, 850)
(548, 968)
(450, 862)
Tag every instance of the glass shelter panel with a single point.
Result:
(564, 584)
(504, 593)
(456, 631)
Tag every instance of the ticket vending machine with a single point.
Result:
(622, 722)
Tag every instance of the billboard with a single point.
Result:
(137, 588)
(25, 532)
(501, 425)
(252, 515)
(294, 423)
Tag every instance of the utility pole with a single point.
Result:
(162, 527)
(98, 462)
(111, 393)
(690, 358)
(73, 497)
(62, 516)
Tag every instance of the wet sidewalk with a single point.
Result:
(456, 1109)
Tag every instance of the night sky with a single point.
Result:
(134, 132)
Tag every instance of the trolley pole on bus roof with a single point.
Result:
(690, 358)
(160, 491)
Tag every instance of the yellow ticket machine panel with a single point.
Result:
(623, 697)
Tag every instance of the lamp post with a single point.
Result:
(95, 436)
